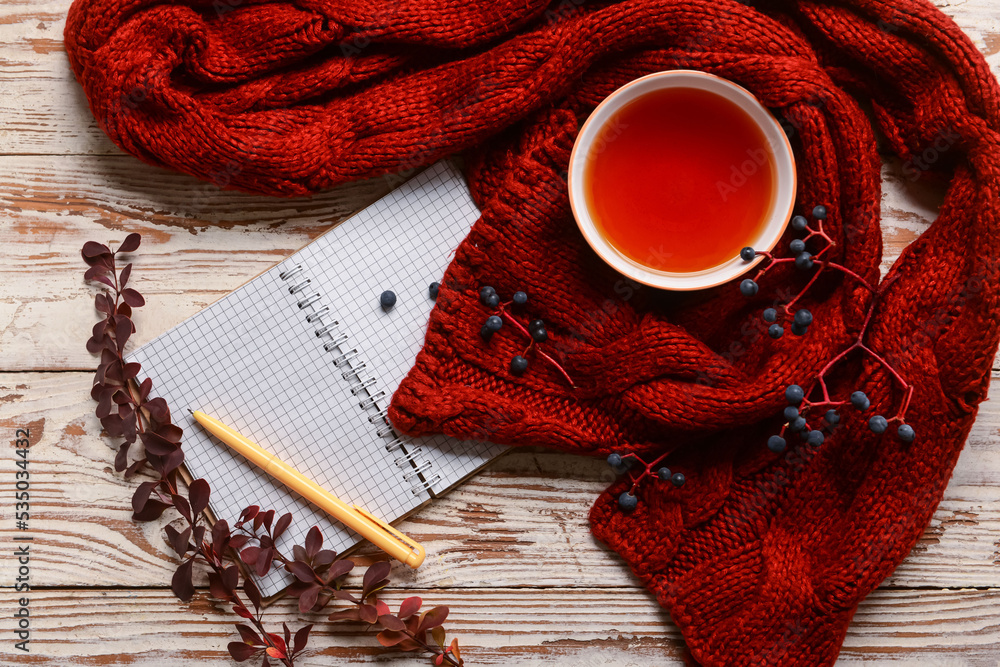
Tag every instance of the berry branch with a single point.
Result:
(126, 410)
(802, 403)
(535, 331)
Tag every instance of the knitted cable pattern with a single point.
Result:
(761, 558)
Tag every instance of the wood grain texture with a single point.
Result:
(523, 522)
(619, 627)
(510, 551)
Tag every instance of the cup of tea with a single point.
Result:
(674, 173)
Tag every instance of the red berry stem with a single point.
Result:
(510, 318)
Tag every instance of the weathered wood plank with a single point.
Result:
(512, 627)
(523, 522)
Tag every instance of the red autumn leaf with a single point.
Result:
(158, 409)
(94, 271)
(249, 555)
(438, 635)
(314, 541)
(141, 495)
(368, 613)
(301, 638)
(151, 511)
(169, 432)
(242, 611)
(145, 388)
(390, 622)
(157, 445)
(123, 329)
(301, 570)
(324, 557)
(350, 614)
(307, 599)
(339, 569)
(94, 249)
(264, 562)
(132, 298)
(288, 634)
(278, 642)
(382, 608)
(126, 272)
(345, 595)
(216, 588)
(439, 659)
(249, 635)
(231, 577)
(131, 370)
(220, 535)
(199, 492)
(241, 651)
(180, 583)
(125, 309)
(103, 304)
(454, 650)
(409, 607)
(238, 541)
(253, 593)
(267, 518)
(283, 522)
(131, 243)
(433, 618)
(390, 638)
(376, 573)
(249, 513)
(276, 653)
(132, 469)
(182, 505)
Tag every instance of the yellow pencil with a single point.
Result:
(377, 531)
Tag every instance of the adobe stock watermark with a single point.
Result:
(741, 174)
(942, 143)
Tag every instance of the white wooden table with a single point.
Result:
(510, 551)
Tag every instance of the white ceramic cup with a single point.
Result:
(777, 143)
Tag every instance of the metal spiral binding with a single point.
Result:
(364, 384)
(309, 300)
(407, 458)
(288, 273)
(358, 387)
(336, 342)
(317, 316)
(371, 400)
(417, 489)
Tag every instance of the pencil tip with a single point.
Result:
(190, 410)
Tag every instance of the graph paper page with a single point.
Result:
(253, 361)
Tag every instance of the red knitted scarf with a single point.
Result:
(761, 558)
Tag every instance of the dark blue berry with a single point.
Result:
(803, 317)
(819, 212)
(776, 444)
(748, 287)
(797, 424)
(614, 459)
(493, 323)
(539, 335)
(878, 424)
(860, 401)
(486, 333)
(798, 329)
(747, 254)
(770, 315)
(518, 365)
(803, 261)
(677, 479)
(775, 331)
(485, 293)
(627, 501)
(905, 433)
(387, 299)
(831, 417)
(791, 412)
(815, 438)
(799, 222)
(536, 324)
(433, 289)
(794, 394)
(664, 474)
(493, 301)
(520, 298)
(797, 246)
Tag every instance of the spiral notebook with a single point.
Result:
(303, 360)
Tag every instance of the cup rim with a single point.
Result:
(778, 143)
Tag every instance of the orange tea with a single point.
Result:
(680, 179)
